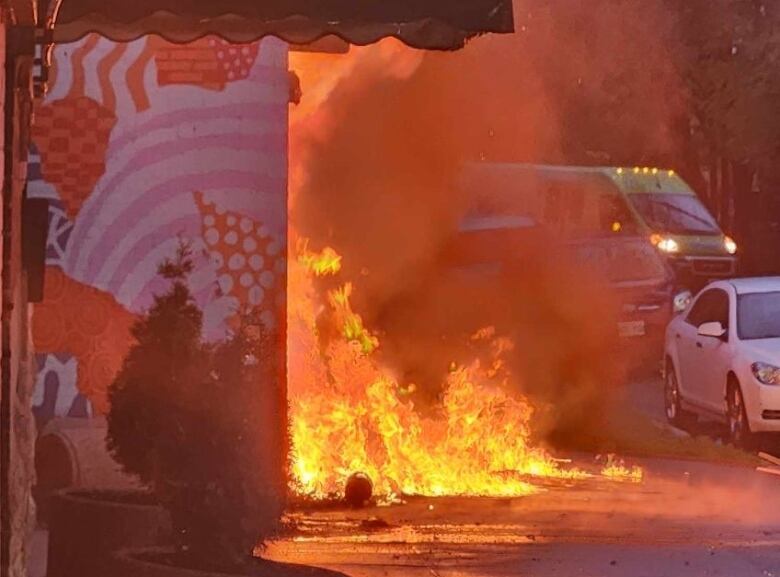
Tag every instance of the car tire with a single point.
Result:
(675, 414)
(740, 434)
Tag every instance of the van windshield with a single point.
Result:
(674, 213)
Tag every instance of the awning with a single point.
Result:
(430, 24)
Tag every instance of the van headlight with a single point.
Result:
(730, 245)
(766, 373)
(681, 301)
(665, 244)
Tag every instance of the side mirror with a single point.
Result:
(714, 330)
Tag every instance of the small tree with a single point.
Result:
(187, 418)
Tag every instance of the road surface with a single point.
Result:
(684, 520)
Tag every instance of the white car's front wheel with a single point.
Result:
(739, 427)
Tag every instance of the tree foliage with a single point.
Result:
(193, 421)
(648, 79)
(730, 59)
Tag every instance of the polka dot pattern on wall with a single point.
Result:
(249, 261)
(235, 60)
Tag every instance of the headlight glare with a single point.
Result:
(730, 245)
(766, 373)
(665, 244)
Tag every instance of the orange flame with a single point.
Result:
(617, 470)
(349, 414)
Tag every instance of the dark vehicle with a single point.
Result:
(630, 271)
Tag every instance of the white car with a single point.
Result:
(723, 357)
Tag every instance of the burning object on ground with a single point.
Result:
(358, 490)
(350, 413)
(617, 470)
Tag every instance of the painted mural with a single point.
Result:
(136, 146)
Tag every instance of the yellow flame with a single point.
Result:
(616, 469)
(327, 262)
(350, 414)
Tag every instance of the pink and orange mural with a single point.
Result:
(136, 146)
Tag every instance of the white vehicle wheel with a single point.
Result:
(739, 427)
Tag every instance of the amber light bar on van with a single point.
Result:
(643, 170)
(665, 244)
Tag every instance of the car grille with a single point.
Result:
(771, 415)
(722, 267)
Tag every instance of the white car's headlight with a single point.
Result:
(766, 373)
(681, 301)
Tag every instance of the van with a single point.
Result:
(578, 202)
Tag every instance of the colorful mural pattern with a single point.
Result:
(136, 146)
(72, 137)
(209, 63)
(86, 324)
(250, 261)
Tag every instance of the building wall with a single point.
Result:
(19, 425)
(137, 145)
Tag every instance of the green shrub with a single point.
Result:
(197, 423)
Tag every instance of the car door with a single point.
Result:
(689, 350)
(714, 354)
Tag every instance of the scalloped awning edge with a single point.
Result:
(428, 33)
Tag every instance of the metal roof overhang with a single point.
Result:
(427, 24)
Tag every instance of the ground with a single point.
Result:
(686, 519)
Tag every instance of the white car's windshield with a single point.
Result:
(758, 316)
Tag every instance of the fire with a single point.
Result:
(617, 470)
(349, 414)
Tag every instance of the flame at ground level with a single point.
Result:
(349, 414)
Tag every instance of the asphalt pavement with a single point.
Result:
(685, 519)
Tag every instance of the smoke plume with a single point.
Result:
(379, 142)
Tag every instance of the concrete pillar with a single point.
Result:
(138, 145)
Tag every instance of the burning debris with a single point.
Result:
(617, 470)
(358, 490)
(352, 414)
